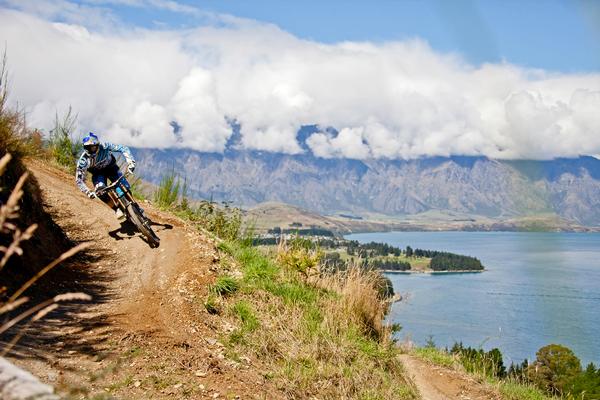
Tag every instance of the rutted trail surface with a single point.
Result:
(146, 334)
(438, 383)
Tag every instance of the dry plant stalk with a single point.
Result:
(8, 212)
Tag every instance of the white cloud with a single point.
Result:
(394, 100)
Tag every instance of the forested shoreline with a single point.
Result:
(339, 252)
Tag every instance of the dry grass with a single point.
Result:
(320, 337)
(359, 301)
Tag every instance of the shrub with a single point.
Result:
(167, 194)
(586, 385)
(224, 221)
(554, 368)
(479, 361)
(299, 255)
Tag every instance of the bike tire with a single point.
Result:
(142, 224)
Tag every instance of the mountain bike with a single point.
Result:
(121, 195)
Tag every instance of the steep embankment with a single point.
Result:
(146, 335)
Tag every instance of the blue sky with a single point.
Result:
(551, 34)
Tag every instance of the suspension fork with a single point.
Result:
(125, 200)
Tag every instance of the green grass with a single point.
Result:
(168, 191)
(225, 285)
(243, 310)
(258, 270)
(518, 391)
(294, 293)
(435, 356)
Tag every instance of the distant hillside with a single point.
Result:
(566, 188)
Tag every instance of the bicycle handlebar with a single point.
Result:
(105, 189)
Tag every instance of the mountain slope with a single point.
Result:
(569, 188)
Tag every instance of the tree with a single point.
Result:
(586, 384)
(409, 251)
(554, 368)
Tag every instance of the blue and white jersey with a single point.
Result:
(96, 162)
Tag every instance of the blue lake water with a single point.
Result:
(539, 288)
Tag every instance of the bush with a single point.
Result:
(586, 384)
(224, 221)
(323, 336)
(299, 255)
(479, 361)
(554, 368)
(167, 194)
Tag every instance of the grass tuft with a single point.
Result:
(518, 391)
(436, 356)
(225, 286)
(212, 305)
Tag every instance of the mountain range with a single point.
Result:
(464, 185)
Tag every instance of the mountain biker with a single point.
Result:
(98, 159)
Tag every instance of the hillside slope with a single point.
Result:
(147, 334)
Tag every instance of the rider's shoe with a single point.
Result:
(119, 214)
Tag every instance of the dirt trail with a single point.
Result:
(146, 334)
(438, 383)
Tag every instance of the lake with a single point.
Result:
(539, 288)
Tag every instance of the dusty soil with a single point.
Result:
(438, 383)
(146, 333)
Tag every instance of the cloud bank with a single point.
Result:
(392, 100)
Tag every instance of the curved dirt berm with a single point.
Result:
(146, 333)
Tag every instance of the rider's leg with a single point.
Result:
(100, 180)
(113, 173)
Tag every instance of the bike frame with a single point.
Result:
(122, 202)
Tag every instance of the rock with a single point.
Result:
(17, 384)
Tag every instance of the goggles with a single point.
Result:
(91, 148)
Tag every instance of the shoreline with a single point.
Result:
(432, 272)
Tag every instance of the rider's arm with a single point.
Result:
(123, 150)
(82, 166)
